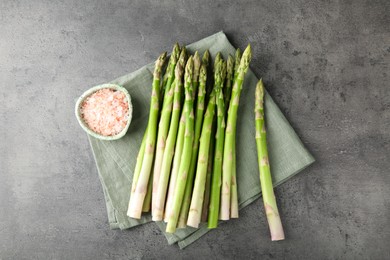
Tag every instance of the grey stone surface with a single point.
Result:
(326, 63)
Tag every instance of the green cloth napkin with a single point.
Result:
(116, 160)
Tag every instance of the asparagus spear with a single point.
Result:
(234, 195)
(158, 210)
(164, 121)
(230, 138)
(137, 198)
(176, 162)
(271, 209)
(205, 61)
(187, 149)
(217, 165)
(200, 106)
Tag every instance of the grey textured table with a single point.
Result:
(326, 63)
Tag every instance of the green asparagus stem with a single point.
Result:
(158, 210)
(230, 138)
(187, 149)
(234, 195)
(176, 164)
(137, 198)
(207, 191)
(165, 118)
(219, 147)
(138, 164)
(200, 106)
(148, 197)
(271, 209)
(201, 170)
(140, 156)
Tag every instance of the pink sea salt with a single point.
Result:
(106, 111)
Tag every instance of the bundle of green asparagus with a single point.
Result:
(185, 171)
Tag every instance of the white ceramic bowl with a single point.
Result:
(90, 92)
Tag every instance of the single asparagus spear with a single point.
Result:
(200, 106)
(205, 207)
(165, 118)
(230, 138)
(217, 164)
(271, 209)
(234, 195)
(181, 179)
(137, 198)
(158, 210)
(176, 160)
(229, 81)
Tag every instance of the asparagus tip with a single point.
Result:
(183, 56)
(245, 60)
(197, 63)
(218, 57)
(260, 90)
(218, 73)
(175, 52)
(203, 73)
(158, 65)
(189, 70)
(206, 58)
(230, 61)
